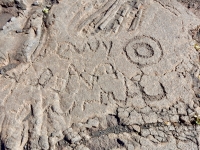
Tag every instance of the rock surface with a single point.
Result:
(100, 74)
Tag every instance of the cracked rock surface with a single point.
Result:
(99, 75)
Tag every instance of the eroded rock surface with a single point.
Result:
(100, 74)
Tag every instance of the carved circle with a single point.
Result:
(144, 50)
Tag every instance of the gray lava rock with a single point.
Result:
(145, 132)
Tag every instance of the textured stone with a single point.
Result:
(130, 147)
(92, 74)
(174, 118)
(82, 147)
(150, 118)
(197, 110)
(7, 3)
(186, 145)
(145, 132)
(93, 122)
(136, 128)
(185, 119)
(153, 131)
(134, 118)
(151, 85)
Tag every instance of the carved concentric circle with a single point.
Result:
(144, 50)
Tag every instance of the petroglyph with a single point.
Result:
(144, 50)
(111, 17)
(100, 74)
(45, 77)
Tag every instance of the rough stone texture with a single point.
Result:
(98, 74)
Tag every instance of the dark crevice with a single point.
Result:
(120, 142)
(2, 144)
